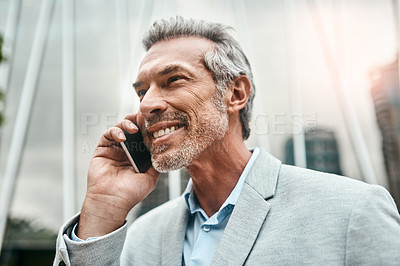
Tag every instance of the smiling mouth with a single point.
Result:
(165, 131)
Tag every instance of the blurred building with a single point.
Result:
(321, 149)
(386, 96)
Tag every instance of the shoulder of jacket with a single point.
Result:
(155, 218)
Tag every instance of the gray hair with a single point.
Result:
(225, 62)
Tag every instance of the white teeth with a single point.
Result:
(163, 132)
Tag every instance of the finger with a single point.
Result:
(128, 126)
(153, 172)
(112, 152)
(138, 119)
(150, 178)
(131, 117)
(111, 137)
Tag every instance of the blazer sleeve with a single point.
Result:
(373, 233)
(105, 250)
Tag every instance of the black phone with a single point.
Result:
(137, 152)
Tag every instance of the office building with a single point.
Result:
(386, 96)
(321, 150)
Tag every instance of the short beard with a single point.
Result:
(211, 127)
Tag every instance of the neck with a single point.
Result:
(216, 172)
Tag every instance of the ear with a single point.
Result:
(240, 93)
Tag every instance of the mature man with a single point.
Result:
(241, 206)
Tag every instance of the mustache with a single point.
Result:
(170, 116)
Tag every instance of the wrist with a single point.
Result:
(99, 218)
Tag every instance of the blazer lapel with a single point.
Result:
(250, 212)
(174, 236)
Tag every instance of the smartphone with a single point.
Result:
(137, 152)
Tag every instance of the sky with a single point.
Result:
(283, 47)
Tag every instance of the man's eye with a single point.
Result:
(141, 93)
(174, 78)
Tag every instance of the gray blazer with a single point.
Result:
(285, 215)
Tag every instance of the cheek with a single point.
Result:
(193, 101)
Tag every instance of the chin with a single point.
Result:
(165, 163)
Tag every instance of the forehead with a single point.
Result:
(186, 51)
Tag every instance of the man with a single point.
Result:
(241, 206)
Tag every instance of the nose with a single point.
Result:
(152, 103)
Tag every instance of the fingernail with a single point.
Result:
(131, 125)
(121, 135)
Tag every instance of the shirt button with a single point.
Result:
(206, 228)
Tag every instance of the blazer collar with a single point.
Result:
(244, 224)
(250, 212)
(263, 176)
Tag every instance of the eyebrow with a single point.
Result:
(165, 71)
(137, 84)
(169, 69)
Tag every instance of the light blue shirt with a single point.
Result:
(203, 233)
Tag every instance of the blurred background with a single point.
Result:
(327, 98)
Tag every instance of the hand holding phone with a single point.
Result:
(112, 187)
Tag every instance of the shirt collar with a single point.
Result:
(194, 206)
